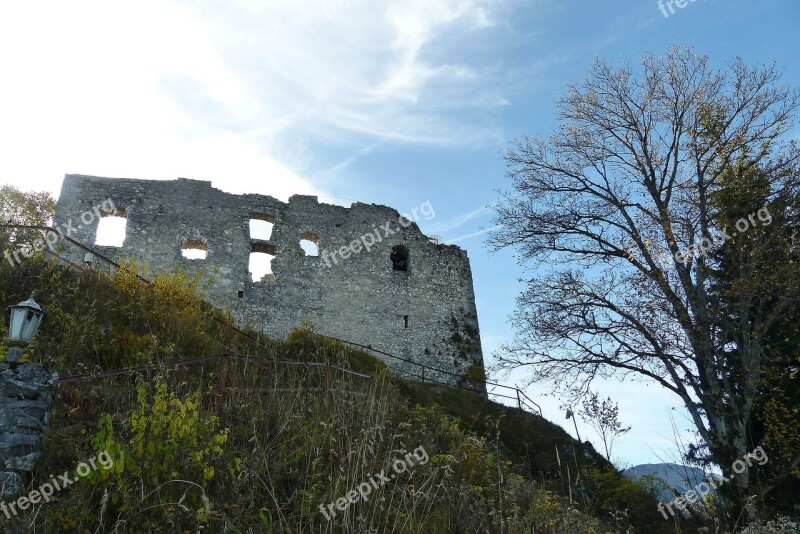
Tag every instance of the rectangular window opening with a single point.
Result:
(111, 231)
(261, 267)
(261, 226)
(194, 249)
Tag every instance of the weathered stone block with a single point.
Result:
(25, 381)
(10, 483)
(23, 463)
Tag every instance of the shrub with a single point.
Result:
(169, 445)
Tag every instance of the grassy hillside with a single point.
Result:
(278, 459)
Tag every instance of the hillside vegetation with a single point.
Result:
(187, 459)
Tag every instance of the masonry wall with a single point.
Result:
(26, 394)
(426, 313)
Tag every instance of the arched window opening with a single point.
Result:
(194, 250)
(399, 257)
(309, 243)
(111, 231)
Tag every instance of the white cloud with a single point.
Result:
(415, 24)
(235, 92)
(88, 91)
(349, 70)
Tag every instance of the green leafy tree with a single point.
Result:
(23, 208)
(20, 207)
(753, 274)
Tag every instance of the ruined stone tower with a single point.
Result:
(397, 291)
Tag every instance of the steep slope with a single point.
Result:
(295, 435)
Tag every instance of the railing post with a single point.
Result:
(223, 381)
(519, 400)
(327, 378)
(423, 374)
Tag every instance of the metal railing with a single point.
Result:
(222, 389)
(82, 267)
(515, 393)
(522, 400)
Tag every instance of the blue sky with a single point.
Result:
(396, 102)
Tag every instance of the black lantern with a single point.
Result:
(23, 325)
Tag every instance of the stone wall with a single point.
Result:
(426, 313)
(26, 393)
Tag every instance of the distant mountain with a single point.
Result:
(676, 478)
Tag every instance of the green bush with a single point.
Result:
(168, 444)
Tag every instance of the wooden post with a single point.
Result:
(423, 374)
(519, 400)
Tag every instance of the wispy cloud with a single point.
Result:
(238, 92)
(471, 235)
(343, 165)
(458, 221)
(388, 70)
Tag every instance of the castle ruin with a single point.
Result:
(397, 291)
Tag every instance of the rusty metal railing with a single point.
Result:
(222, 388)
(514, 393)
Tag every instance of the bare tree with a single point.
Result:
(603, 417)
(613, 200)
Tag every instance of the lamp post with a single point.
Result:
(23, 325)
